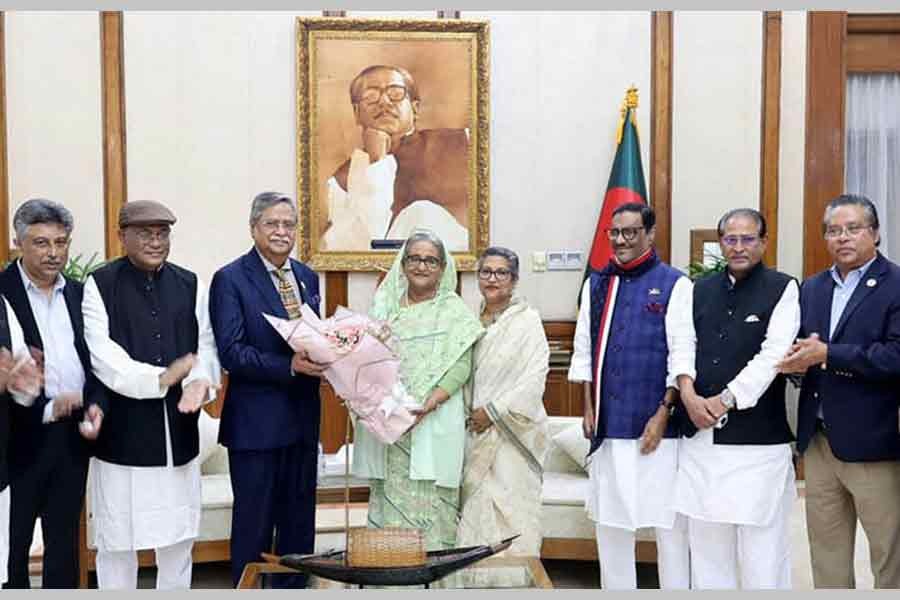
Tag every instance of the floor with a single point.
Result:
(578, 574)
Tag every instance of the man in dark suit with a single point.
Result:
(848, 427)
(48, 452)
(270, 419)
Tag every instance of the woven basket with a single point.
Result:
(385, 547)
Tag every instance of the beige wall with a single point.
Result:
(211, 121)
(53, 118)
(793, 136)
(716, 111)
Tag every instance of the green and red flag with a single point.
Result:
(626, 181)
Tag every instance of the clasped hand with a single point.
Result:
(804, 353)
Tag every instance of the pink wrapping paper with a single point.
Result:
(362, 368)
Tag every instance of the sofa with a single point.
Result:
(567, 531)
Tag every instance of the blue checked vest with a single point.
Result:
(633, 381)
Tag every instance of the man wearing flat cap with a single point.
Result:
(146, 323)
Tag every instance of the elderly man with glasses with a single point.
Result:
(735, 472)
(401, 177)
(270, 418)
(626, 342)
(849, 354)
(146, 324)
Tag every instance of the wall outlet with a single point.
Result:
(538, 262)
(565, 260)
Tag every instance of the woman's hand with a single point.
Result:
(432, 403)
(479, 422)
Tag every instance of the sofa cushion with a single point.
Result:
(209, 432)
(572, 442)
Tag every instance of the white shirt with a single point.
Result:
(739, 483)
(62, 366)
(363, 212)
(136, 508)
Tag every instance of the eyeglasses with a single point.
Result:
(746, 240)
(372, 95)
(275, 224)
(430, 262)
(44, 245)
(146, 235)
(499, 274)
(629, 233)
(853, 230)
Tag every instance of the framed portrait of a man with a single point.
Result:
(392, 136)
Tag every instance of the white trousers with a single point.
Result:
(174, 565)
(615, 548)
(728, 556)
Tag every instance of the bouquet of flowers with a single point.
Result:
(362, 366)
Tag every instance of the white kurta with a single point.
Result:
(739, 483)
(363, 212)
(628, 489)
(137, 508)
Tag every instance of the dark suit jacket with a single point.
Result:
(27, 432)
(265, 406)
(860, 388)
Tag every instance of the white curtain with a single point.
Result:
(873, 149)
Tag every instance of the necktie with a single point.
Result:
(288, 297)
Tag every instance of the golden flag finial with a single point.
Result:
(630, 102)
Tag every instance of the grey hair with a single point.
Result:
(425, 235)
(853, 200)
(750, 213)
(511, 257)
(265, 200)
(40, 210)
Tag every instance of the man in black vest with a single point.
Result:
(20, 383)
(48, 455)
(142, 313)
(735, 474)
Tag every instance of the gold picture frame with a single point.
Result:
(441, 174)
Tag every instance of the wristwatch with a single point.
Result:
(728, 399)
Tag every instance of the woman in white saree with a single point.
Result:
(507, 424)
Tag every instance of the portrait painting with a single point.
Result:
(392, 138)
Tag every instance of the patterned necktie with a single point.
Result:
(288, 297)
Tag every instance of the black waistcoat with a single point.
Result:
(731, 322)
(153, 318)
(5, 399)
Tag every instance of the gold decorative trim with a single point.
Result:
(311, 28)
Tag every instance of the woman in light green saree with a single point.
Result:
(415, 481)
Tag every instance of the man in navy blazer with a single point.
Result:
(848, 428)
(270, 418)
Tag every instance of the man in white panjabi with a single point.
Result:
(626, 342)
(735, 473)
(146, 324)
(19, 383)
(402, 178)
